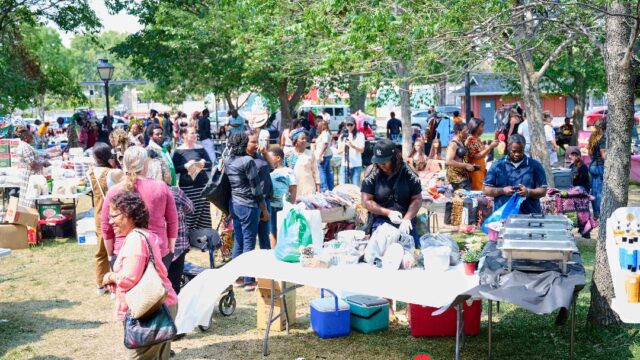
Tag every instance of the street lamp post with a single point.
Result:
(105, 70)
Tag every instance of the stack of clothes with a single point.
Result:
(574, 203)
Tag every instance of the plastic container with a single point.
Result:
(330, 317)
(424, 324)
(436, 258)
(58, 227)
(368, 313)
(628, 259)
(632, 287)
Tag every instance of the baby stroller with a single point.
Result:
(208, 240)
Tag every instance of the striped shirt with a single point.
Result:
(184, 207)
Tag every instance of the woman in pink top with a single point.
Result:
(129, 218)
(157, 196)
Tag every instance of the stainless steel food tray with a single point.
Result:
(533, 227)
(537, 247)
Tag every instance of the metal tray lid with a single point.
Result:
(549, 233)
(537, 224)
(537, 245)
(542, 237)
(525, 218)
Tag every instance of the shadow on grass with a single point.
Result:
(50, 357)
(25, 324)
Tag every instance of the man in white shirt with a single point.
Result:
(523, 130)
(325, 115)
(550, 138)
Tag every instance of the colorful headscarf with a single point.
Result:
(296, 133)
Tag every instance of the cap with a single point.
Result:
(574, 151)
(350, 120)
(383, 151)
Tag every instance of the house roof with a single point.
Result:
(485, 84)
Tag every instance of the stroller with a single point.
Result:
(208, 240)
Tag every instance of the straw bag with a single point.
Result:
(147, 296)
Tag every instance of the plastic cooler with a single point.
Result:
(330, 316)
(57, 227)
(424, 324)
(368, 313)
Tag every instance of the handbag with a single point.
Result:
(147, 296)
(139, 333)
(218, 189)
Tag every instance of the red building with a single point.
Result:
(490, 92)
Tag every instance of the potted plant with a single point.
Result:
(470, 259)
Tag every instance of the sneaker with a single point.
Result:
(239, 283)
(101, 291)
(250, 287)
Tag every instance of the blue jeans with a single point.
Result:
(395, 138)
(263, 230)
(326, 174)
(354, 175)
(597, 179)
(245, 230)
(274, 221)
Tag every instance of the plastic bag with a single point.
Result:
(509, 208)
(384, 236)
(296, 232)
(438, 240)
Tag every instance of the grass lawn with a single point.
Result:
(47, 297)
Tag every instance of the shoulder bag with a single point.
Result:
(153, 330)
(218, 190)
(147, 296)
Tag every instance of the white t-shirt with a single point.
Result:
(263, 137)
(355, 158)
(523, 130)
(323, 138)
(326, 116)
(549, 134)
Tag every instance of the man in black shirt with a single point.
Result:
(391, 191)
(204, 135)
(394, 126)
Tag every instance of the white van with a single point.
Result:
(338, 113)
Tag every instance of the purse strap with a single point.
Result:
(151, 257)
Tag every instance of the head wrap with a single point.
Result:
(296, 133)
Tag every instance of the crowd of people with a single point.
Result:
(147, 182)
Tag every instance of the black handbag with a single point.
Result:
(154, 329)
(218, 189)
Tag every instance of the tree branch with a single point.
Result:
(554, 55)
(629, 53)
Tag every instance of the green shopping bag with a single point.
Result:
(296, 232)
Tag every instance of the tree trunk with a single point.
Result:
(227, 97)
(42, 108)
(283, 98)
(357, 97)
(621, 84)
(405, 105)
(580, 100)
(533, 108)
(301, 86)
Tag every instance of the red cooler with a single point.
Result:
(424, 324)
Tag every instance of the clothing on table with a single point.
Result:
(239, 121)
(528, 172)
(163, 219)
(201, 218)
(305, 168)
(475, 147)
(456, 175)
(168, 169)
(131, 263)
(25, 156)
(247, 188)
(281, 178)
(580, 176)
(549, 137)
(245, 224)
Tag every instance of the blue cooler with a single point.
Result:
(330, 317)
(368, 313)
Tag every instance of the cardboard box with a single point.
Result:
(4, 149)
(266, 284)
(264, 303)
(13, 237)
(20, 215)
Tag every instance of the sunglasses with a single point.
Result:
(350, 124)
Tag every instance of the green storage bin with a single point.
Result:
(368, 313)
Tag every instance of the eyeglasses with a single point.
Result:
(111, 217)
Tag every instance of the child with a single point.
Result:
(284, 182)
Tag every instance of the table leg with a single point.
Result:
(490, 315)
(265, 350)
(284, 305)
(498, 307)
(572, 328)
(459, 328)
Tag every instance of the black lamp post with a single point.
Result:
(105, 70)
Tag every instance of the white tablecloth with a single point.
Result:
(199, 297)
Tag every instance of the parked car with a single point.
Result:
(448, 110)
(601, 113)
(338, 113)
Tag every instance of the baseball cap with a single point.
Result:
(350, 120)
(575, 151)
(383, 151)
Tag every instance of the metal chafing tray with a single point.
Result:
(546, 219)
(535, 227)
(537, 246)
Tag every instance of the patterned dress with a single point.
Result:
(475, 146)
(25, 156)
